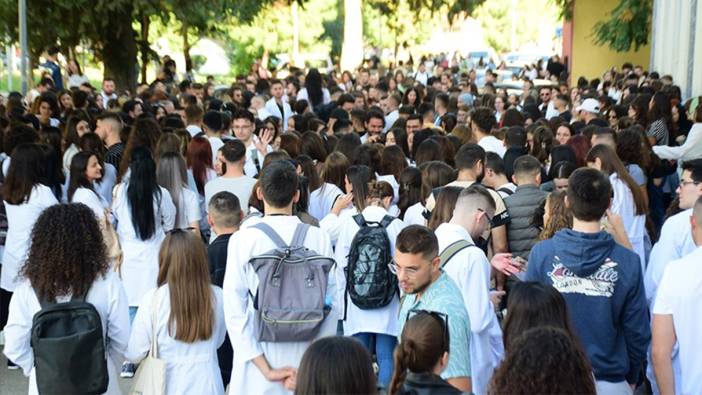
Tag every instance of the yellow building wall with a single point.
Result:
(589, 60)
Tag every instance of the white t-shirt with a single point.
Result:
(322, 200)
(215, 143)
(492, 144)
(635, 225)
(678, 295)
(242, 187)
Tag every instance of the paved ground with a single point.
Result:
(13, 382)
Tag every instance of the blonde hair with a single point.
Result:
(183, 266)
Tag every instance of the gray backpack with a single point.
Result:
(290, 301)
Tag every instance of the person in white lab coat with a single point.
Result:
(356, 185)
(85, 170)
(628, 200)
(370, 326)
(65, 260)
(141, 228)
(189, 318)
(25, 198)
(470, 269)
(268, 367)
(171, 174)
(257, 147)
(276, 106)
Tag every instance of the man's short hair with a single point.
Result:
(527, 165)
(589, 194)
(695, 168)
(468, 155)
(494, 162)
(193, 113)
(477, 196)
(484, 118)
(418, 239)
(415, 117)
(225, 209)
(375, 114)
(276, 81)
(605, 132)
(516, 136)
(233, 150)
(279, 183)
(444, 99)
(244, 114)
(112, 118)
(345, 98)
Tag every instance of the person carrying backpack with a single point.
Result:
(279, 289)
(68, 325)
(368, 289)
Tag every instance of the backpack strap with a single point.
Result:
(298, 239)
(386, 221)
(453, 249)
(359, 220)
(80, 298)
(506, 191)
(272, 234)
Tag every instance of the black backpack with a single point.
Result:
(369, 282)
(69, 350)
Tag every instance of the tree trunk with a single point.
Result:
(119, 50)
(186, 49)
(296, 35)
(144, 45)
(352, 47)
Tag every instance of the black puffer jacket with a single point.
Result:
(426, 384)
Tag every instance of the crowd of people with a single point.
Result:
(414, 230)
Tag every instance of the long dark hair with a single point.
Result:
(67, 253)
(336, 365)
(199, 161)
(26, 170)
(544, 360)
(532, 304)
(313, 84)
(410, 189)
(612, 164)
(359, 177)
(79, 164)
(142, 185)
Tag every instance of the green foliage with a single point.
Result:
(508, 25)
(629, 24)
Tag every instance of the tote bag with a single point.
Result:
(150, 377)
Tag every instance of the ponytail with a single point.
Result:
(403, 356)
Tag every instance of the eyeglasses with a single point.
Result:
(394, 269)
(487, 217)
(686, 183)
(439, 316)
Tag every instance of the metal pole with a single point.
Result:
(24, 50)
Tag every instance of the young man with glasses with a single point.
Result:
(469, 268)
(243, 125)
(601, 282)
(426, 287)
(675, 240)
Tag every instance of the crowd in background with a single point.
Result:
(541, 231)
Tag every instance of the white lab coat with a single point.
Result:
(91, 199)
(322, 200)
(691, 148)
(110, 301)
(274, 110)
(674, 243)
(331, 223)
(239, 280)
(251, 168)
(191, 368)
(635, 225)
(382, 320)
(470, 270)
(189, 210)
(139, 268)
(20, 221)
(414, 215)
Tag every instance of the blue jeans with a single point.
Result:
(384, 347)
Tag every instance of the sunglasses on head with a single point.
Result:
(441, 317)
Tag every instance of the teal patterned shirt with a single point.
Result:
(443, 296)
